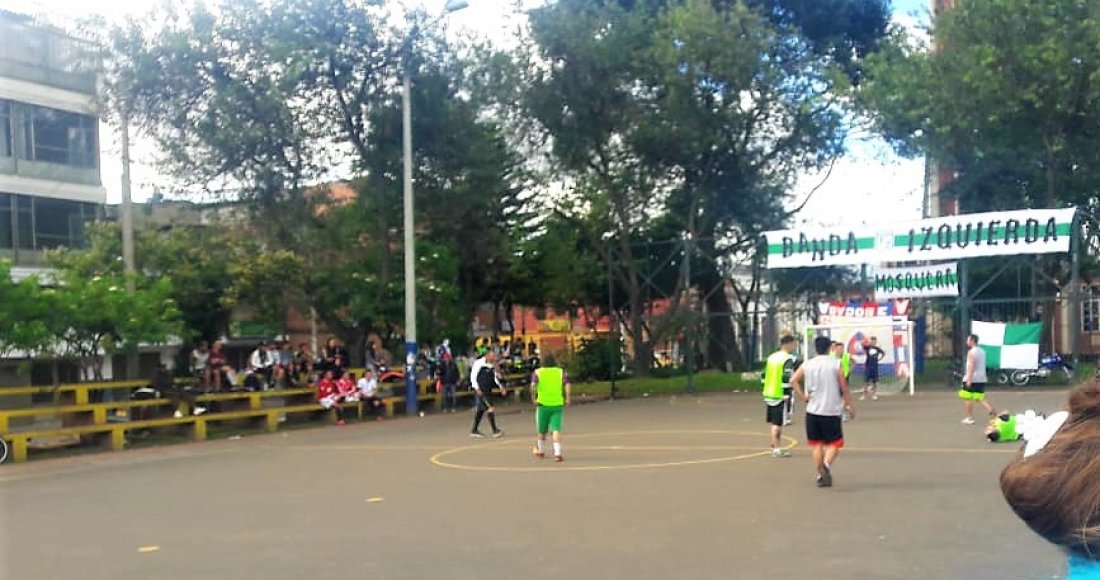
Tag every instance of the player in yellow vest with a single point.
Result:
(777, 375)
(550, 390)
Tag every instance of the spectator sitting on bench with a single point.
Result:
(335, 356)
(284, 365)
(260, 364)
(345, 388)
(166, 386)
(303, 363)
(218, 371)
(200, 359)
(328, 396)
(368, 393)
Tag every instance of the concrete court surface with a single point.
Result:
(651, 488)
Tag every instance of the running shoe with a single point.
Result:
(968, 421)
(477, 435)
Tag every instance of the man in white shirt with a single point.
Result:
(827, 397)
(368, 393)
(261, 362)
(483, 379)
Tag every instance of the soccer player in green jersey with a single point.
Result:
(550, 390)
(777, 376)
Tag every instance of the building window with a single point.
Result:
(1090, 310)
(5, 129)
(57, 223)
(61, 137)
(6, 241)
(24, 222)
(42, 223)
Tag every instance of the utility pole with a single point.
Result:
(691, 314)
(132, 360)
(412, 391)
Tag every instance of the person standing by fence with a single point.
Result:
(448, 377)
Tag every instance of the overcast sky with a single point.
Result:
(869, 184)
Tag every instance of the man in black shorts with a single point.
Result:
(826, 397)
(870, 368)
(483, 379)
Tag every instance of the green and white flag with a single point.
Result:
(1009, 346)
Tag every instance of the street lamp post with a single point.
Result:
(412, 392)
(133, 362)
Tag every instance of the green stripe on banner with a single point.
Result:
(1023, 333)
(998, 234)
(992, 357)
(861, 243)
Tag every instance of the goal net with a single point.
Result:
(895, 338)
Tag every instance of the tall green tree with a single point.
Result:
(703, 113)
(288, 93)
(1008, 99)
(24, 319)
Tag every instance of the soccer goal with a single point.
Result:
(895, 338)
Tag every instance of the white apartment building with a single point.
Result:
(50, 184)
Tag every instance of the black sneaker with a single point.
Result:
(498, 434)
(476, 435)
(826, 476)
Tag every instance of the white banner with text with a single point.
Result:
(1026, 231)
(918, 282)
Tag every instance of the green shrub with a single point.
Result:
(594, 360)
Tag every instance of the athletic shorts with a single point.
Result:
(871, 375)
(328, 402)
(549, 418)
(774, 414)
(824, 430)
(975, 392)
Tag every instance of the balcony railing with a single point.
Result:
(42, 55)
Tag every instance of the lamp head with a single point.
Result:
(455, 5)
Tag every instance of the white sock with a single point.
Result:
(542, 445)
(557, 448)
(827, 466)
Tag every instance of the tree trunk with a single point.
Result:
(358, 343)
(721, 349)
(643, 351)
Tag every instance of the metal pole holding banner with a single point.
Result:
(964, 304)
(1075, 291)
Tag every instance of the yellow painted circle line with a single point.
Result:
(438, 460)
(148, 549)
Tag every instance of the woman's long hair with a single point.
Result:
(1056, 491)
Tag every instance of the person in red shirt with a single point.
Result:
(345, 388)
(218, 369)
(328, 396)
